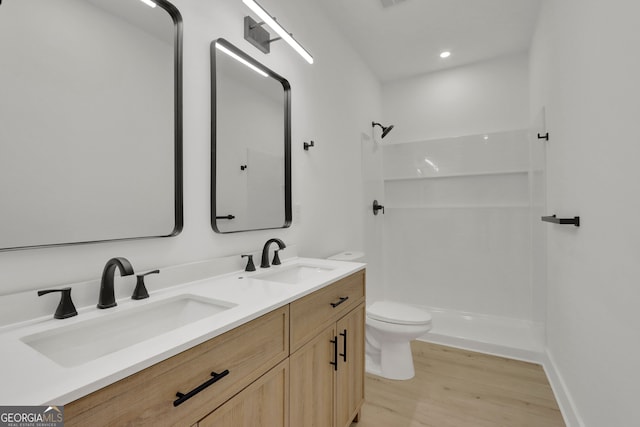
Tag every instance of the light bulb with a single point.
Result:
(148, 3)
(268, 19)
(242, 60)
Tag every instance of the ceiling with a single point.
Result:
(403, 38)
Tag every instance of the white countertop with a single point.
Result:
(31, 378)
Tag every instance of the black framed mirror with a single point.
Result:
(250, 143)
(90, 121)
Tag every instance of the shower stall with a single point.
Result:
(461, 236)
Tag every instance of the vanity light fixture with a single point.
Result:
(257, 36)
(445, 54)
(149, 3)
(241, 60)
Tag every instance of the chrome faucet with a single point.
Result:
(265, 251)
(107, 297)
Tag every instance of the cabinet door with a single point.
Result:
(263, 404)
(312, 381)
(350, 375)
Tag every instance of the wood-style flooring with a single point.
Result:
(459, 388)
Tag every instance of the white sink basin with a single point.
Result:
(292, 275)
(83, 342)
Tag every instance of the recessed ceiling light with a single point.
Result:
(445, 54)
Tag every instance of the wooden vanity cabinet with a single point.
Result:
(301, 365)
(147, 397)
(327, 370)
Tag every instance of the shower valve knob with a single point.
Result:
(376, 207)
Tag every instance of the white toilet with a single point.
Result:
(390, 327)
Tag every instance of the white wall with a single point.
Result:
(485, 97)
(584, 70)
(333, 101)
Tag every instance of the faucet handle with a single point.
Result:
(250, 265)
(140, 292)
(65, 307)
(276, 258)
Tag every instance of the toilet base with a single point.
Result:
(394, 361)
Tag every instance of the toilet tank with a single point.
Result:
(351, 256)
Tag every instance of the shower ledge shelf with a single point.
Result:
(458, 175)
(469, 206)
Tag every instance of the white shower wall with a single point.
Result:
(457, 224)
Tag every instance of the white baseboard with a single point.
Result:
(561, 392)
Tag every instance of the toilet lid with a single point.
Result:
(394, 312)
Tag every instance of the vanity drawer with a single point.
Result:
(147, 398)
(314, 312)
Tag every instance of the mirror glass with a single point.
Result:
(90, 121)
(251, 143)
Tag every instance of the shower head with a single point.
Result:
(385, 129)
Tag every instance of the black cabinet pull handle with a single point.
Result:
(344, 345)
(181, 398)
(342, 299)
(334, 341)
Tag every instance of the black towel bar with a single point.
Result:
(574, 221)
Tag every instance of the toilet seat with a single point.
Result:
(397, 313)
